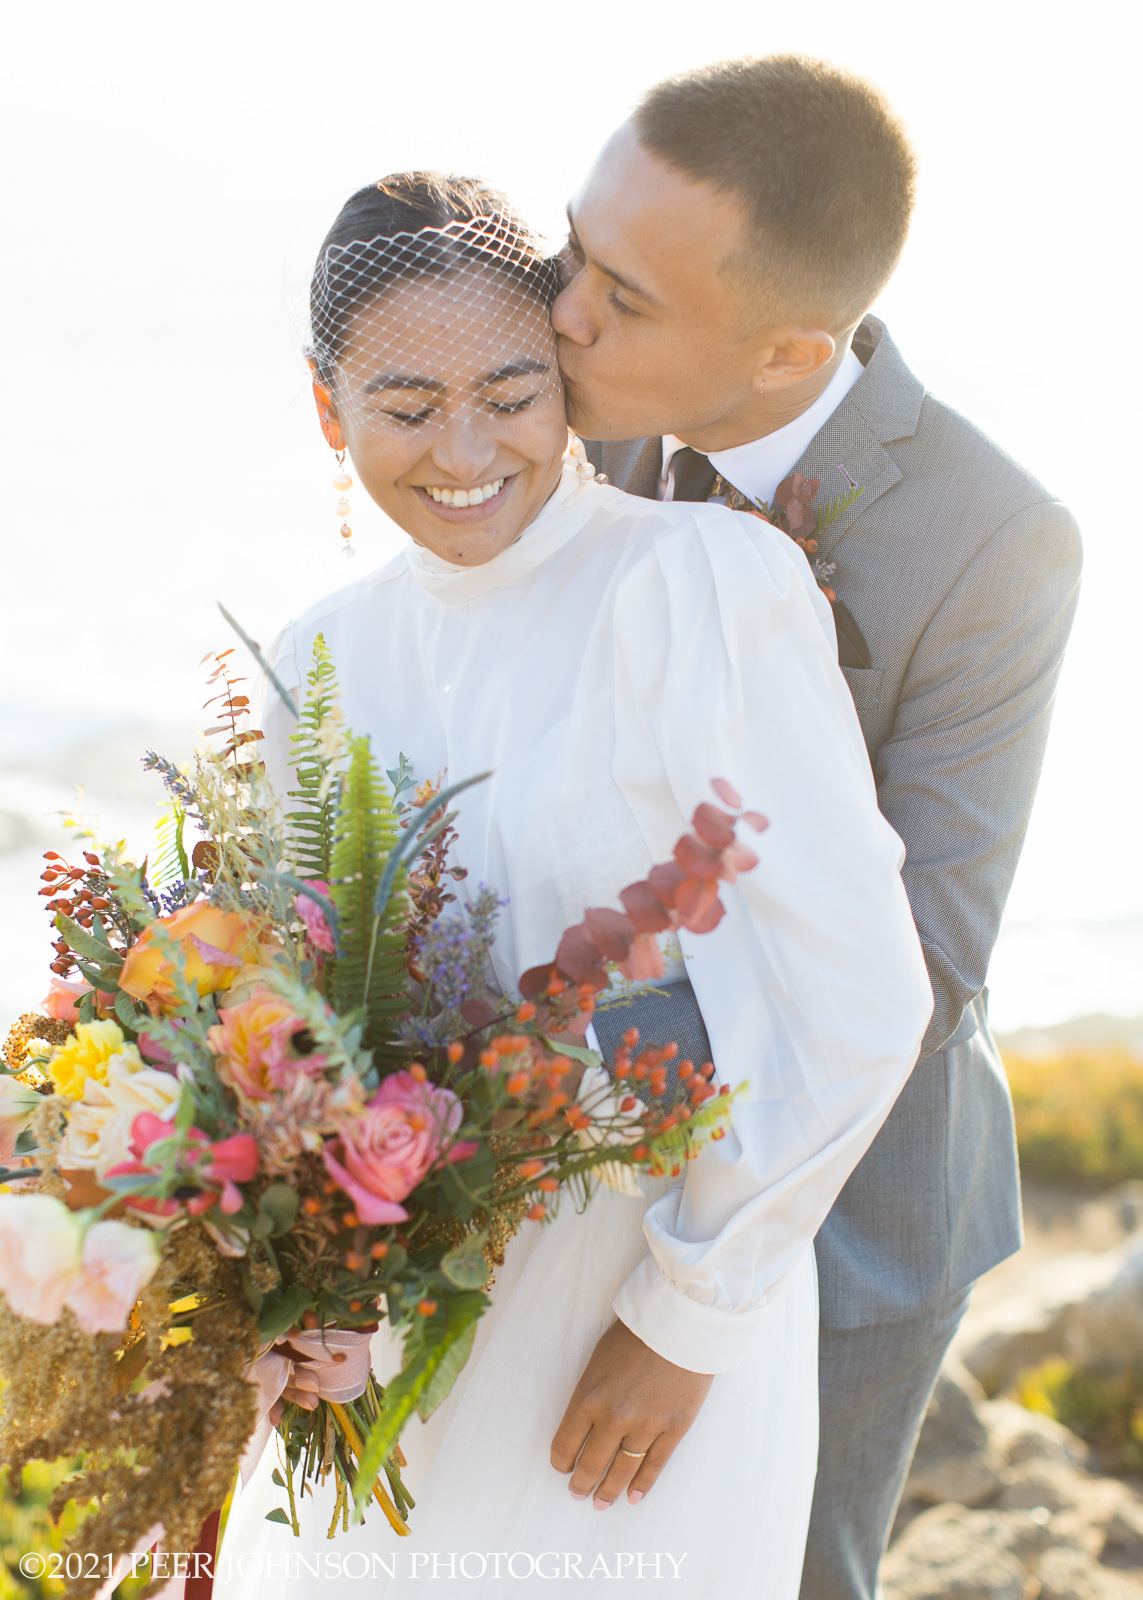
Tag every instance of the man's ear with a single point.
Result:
(327, 415)
(792, 355)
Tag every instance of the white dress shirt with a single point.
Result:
(758, 468)
(607, 666)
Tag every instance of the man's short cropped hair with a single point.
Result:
(822, 164)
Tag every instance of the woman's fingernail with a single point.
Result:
(575, 1494)
(635, 1496)
(600, 1504)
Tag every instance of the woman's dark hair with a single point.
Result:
(407, 226)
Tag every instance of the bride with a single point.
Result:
(641, 1401)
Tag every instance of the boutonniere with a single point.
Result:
(795, 512)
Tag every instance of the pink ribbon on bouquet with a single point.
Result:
(337, 1357)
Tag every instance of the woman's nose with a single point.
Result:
(465, 448)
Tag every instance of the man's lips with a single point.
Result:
(486, 508)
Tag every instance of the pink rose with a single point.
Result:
(61, 998)
(116, 1262)
(318, 930)
(384, 1153)
(40, 1242)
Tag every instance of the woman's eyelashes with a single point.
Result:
(496, 408)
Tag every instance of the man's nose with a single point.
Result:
(570, 314)
(465, 448)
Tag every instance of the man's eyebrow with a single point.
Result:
(610, 272)
(514, 369)
(401, 380)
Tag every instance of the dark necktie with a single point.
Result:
(694, 476)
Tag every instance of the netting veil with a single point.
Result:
(407, 330)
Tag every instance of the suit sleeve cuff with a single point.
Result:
(690, 1335)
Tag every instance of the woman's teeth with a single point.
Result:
(466, 497)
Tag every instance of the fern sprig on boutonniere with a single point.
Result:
(795, 512)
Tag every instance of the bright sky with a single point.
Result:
(172, 169)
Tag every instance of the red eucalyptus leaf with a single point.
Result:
(644, 963)
(663, 881)
(713, 826)
(737, 858)
(611, 930)
(696, 899)
(644, 908)
(580, 958)
(726, 792)
(479, 1011)
(536, 980)
(697, 860)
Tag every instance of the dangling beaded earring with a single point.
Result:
(342, 481)
(578, 455)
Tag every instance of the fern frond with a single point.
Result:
(169, 861)
(372, 955)
(834, 508)
(313, 757)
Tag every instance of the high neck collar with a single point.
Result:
(552, 527)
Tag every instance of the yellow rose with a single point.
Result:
(216, 944)
(85, 1056)
(99, 1126)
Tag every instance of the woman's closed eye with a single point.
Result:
(509, 408)
(411, 419)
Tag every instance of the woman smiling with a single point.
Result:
(607, 657)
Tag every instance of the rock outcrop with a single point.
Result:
(1000, 1505)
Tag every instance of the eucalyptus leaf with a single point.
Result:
(587, 1058)
(125, 1010)
(87, 944)
(280, 1204)
(284, 1313)
(465, 1265)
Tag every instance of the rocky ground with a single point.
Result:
(1005, 1504)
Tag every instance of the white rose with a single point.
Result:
(40, 1242)
(99, 1126)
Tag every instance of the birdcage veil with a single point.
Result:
(409, 323)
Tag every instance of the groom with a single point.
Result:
(727, 247)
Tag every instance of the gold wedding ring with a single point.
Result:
(636, 1455)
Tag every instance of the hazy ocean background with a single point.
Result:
(170, 176)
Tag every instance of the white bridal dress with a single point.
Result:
(606, 666)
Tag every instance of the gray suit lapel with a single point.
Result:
(884, 404)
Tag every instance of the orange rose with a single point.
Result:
(216, 944)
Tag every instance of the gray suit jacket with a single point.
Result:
(963, 574)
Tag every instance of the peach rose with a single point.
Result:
(217, 944)
(61, 999)
(257, 1045)
(115, 1263)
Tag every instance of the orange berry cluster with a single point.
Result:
(79, 892)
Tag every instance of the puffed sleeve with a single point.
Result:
(813, 988)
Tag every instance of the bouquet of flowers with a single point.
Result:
(274, 1095)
